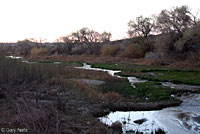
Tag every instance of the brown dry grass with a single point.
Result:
(15, 73)
(113, 97)
(134, 51)
(103, 59)
(89, 91)
(39, 111)
(35, 51)
(90, 59)
(70, 72)
(70, 79)
(110, 50)
(188, 64)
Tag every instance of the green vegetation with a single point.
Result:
(138, 68)
(153, 91)
(148, 91)
(110, 66)
(123, 88)
(126, 67)
(159, 73)
(192, 78)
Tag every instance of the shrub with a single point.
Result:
(110, 50)
(79, 49)
(88, 49)
(24, 47)
(134, 51)
(179, 44)
(38, 51)
(188, 35)
(189, 43)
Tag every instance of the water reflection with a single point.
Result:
(183, 119)
(132, 80)
(86, 66)
(142, 121)
(14, 57)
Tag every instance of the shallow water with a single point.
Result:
(132, 80)
(14, 57)
(88, 67)
(57, 62)
(183, 119)
(29, 62)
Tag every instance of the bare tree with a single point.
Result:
(85, 35)
(92, 36)
(105, 36)
(178, 19)
(141, 26)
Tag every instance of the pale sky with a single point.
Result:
(50, 19)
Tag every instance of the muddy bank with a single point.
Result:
(143, 106)
(106, 108)
(182, 88)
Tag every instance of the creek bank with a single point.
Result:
(130, 106)
(182, 88)
(183, 119)
(106, 108)
(141, 106)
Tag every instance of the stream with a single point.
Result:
(183, 119)
(132, 80)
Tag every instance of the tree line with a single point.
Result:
(175, 20)
(85, 35)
